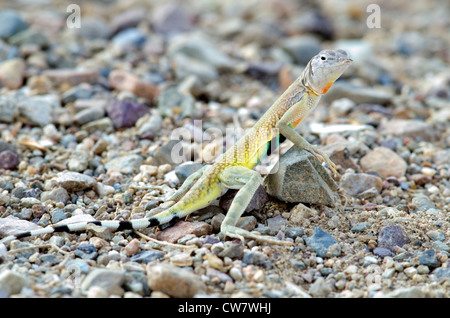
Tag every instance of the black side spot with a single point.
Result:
(62, 228)
(124, 225)
(23, 234)
(153, 222)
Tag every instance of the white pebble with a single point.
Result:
(428, 171)
(351, 269)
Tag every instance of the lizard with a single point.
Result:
(234, 168)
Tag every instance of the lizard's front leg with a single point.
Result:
(294, 115)
(187, 184)
(247, 181)
(177, 195)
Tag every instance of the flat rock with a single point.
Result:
(174, 281)
(357, 183)
(127, 19)
(104, 125)
(89, 114)
(12, 225)
(174, 233)
(415, 129)
(145, 257)
(125, 164)
(72, 76)
(300, 178)
(39, 110)
(385, 162)
(74, 181)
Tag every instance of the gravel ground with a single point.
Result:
(86, 120)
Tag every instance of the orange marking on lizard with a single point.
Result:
(326, 87)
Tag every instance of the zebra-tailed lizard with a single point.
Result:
(234, 169)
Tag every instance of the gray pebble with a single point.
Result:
(232, 250)
(127, 164)
(11, 24)
(294, 232)
(11, 282)
(441, 273)
(58, 194)
(256, 258)
(58, 215)
(145, 257)
(323, 243)
(428, 258)
(422, 202)
(186, 169)
(109, 280)
(276, 224)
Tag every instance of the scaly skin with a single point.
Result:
(233, 170)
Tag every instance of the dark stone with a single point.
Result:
(257, 202)
(9, 160)
(391, 236)
(125, 113)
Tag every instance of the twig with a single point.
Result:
(162, 242)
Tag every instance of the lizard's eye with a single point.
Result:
(323, 57)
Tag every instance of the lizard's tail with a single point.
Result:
(196, 199)
(137, 224)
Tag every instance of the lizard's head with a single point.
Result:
(325, 68)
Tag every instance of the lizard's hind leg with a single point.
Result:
(247, 181)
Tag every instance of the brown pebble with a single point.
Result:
(12, 73)
(124, 81)
(181, 228)
(174, 281)
(132, 248)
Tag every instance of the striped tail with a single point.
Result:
(164, 217)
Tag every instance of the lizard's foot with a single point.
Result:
(321, 156)
(241, 234)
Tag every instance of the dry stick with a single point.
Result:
(52, 247)
(163, 243)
